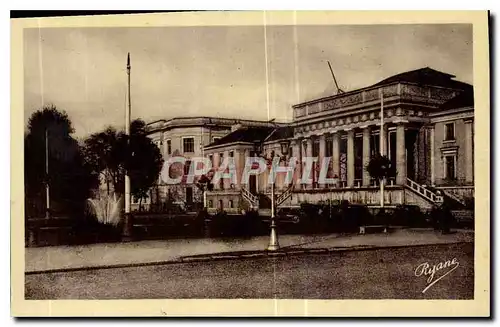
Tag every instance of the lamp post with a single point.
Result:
(273, 240)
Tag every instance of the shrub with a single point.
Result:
(409, 215)
(246, 225)
(442, 218)
(354, 216)
(380, 167)
(383, 217)
(317, 218)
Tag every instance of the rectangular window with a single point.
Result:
(210, 203)
(328, 147)
(211, 158)
(215, 139)
(221, 162)
(450, 168)
(231, 204)
(449, 132)
(187, 167)
(231, 154)
(169, 147)
(315, 149)
(188, 145)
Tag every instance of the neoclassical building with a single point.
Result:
(429, 137)
(186, 137)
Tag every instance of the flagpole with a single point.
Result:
(382, 145)
(127, 230)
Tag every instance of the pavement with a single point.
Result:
(55, 258)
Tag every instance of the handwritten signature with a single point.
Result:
(425, 269)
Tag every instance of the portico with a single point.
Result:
(421, 110)
(350, 149)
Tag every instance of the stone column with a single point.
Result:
(295, 144)
(216, 167)
(335, 154)
(223, 182)
(239, 165)
(400, 155)
(322, 150)
(469, 151)
(302, 146)
(350, 158)
(216, 160)
(309, 146)
(366, 155)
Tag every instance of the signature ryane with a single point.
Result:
(425, 269)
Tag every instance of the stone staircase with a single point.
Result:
(424, 192)
(262, 202)
(453, 197)
(252, 199)
(284, 196)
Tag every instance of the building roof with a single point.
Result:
(426, 76)
(247, 134)
(281, 133)
(181, 122)
(422, 76)
(464, 99)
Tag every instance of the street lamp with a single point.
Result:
(273, 240)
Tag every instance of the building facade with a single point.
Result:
(186, 137)
(429, 138)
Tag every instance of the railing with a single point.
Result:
(284, 196)
(424, 192)
(252, 199)
(453, 182)
(454, 197)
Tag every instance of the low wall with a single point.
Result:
(231, 201)
(461, 192)
(369, 196)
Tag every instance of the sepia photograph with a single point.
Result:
(253, 156)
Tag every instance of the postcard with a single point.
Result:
(269, 164)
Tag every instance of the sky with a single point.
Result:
(247, 72)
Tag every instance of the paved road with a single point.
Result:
(95, 255)
(367, 274)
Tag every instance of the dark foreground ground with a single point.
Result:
(368, 274)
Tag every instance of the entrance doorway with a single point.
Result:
(189, 195)
(252, 184)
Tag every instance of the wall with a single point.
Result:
(202, 136)
(392, 196)
(459, 142)
(225, 196)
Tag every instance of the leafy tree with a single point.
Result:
(144, 162)
(381, 167)
(106, 153)
(68, 176)
(111, 153)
